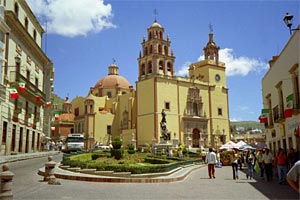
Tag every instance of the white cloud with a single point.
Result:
(73, 18)
(235, 66)
(184, 69)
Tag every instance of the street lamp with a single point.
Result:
(288, 20)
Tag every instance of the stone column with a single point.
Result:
(6, 177)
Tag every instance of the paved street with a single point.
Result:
(28, 185)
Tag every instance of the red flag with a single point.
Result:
(263, 119)
(22, 86)
(13, 93)
(38, 99)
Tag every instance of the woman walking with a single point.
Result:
(234, 164)
(250, 158)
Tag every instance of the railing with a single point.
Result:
(31, 89)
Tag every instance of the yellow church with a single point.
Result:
(192, 110)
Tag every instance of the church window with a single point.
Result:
(91, 109)
(159, 49)
(143, 69)
(161, 65)
(150, 48)
(76, 112)
(150, 36)
(149, 67)
(169, 67)
(166, 50)
(146, 51)
(167, 106)
(109, 94)
(125, 120)
(34, 35)
(220, 111)
(160, 35)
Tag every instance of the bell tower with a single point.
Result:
(156, 57)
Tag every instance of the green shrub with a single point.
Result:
(117, 153)
(131, 149)
(117, 143)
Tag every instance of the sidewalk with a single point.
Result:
(24, 156)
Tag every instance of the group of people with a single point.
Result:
(262, 162)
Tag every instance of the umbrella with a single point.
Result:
(246, 147)
(240, 143)
(229, 145)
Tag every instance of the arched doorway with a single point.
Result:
(196, 138)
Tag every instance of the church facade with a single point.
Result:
(193, 109)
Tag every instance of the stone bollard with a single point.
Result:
(49, 172)
(6, 177)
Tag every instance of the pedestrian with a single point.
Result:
(259, 158)
(250, 158)
(281, 162)
(268, 164)
(234, 163)
(293, 176)
(211, 160)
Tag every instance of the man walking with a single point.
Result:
(268, 163)
(211, 161)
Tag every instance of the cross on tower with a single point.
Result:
(210, 27)
(155, 12)
(114, 61)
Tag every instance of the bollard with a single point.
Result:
(6, 177)
(49, 172)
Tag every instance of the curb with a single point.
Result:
(25, 156)
(75, 176)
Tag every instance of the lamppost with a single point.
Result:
(288, 20)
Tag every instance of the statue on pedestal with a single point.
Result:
(163, 125)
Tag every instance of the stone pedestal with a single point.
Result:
(49, 172)
(6, 184)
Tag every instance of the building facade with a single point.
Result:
(26, 82)
(280, 93)
(196, 106)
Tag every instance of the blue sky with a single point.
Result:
(83, 38)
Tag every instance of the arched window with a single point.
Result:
(161, 65)
(143, 69)
(149, 67)
(159, 49)
(150, 36)
(146, 51)
(166, 50)
(169, 67)
(160, 35)
(150, 48)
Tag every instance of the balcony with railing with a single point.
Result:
(31, 90)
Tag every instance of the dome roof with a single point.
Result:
(155, 24)
(112, 81)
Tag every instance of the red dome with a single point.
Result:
(112, 81)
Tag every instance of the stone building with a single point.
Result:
(196, 106)
(26, 80)
(280, 94)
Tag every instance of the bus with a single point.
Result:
(75, 142)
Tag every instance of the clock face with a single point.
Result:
(218, 77)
